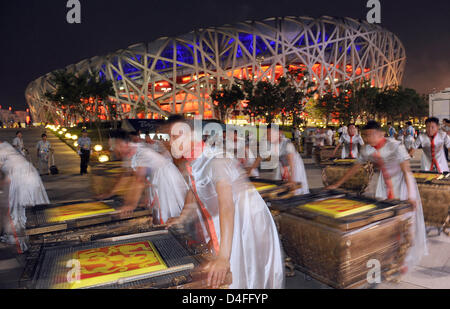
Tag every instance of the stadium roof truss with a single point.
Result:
(176, 75)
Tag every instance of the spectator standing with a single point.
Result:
(18, 144)
(44, 148)
(84, 150)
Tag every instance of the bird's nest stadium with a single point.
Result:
(177, 74)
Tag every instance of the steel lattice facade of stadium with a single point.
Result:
(176, 75)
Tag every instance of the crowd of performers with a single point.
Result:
(201, 179)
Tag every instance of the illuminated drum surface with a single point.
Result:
(108, 264)
(338, 207)
(261, 186)
(427, 177)
(76, 211)
(345, 161)
(143, 260)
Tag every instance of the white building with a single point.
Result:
(440, 104)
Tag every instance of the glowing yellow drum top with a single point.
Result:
(427, 177)
(338, 207)
(345, 161)
(77, 211)
(108, 264)
(260, 186)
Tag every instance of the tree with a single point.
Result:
(286, 97)
(296, 89)
(80, 95)
(226, 99)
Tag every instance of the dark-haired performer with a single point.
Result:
(239, 228)
(393, 180)
(167, 186)
(433, 144)
(350, 142)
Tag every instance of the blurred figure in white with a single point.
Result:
(409, 134)
(393, 179)
(157, 146)
(319, 138)
(24, 189)
(239, 229)
(289, 164)
(433, 144)
(330, 136)
(392, 133)
(44, 148)
(18, 144)
(342, 130)
(153, 171)
(350, 143)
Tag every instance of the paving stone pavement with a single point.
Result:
(432, 273)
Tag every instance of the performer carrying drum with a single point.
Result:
(394, 180)
(433, 144)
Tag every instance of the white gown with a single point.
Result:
(430, 158)
(167, 186)
(282, 169)
(392, 154)
(18, 145)
(25, 189)
(409, 138)
(256, 258)
(159, 147)
(346, 140)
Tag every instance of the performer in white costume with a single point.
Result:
(409, 136)
(44, 149)
(288, 164)
(18, 144)
(350, 142)
(242, 147)
(157, 146)
(433, 144)
(167, 186)
(240, 230)
(394, 180)
(25, 189)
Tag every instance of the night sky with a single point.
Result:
(36, 39)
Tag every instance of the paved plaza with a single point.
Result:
(432, 273)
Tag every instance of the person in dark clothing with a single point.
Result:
(84, 150)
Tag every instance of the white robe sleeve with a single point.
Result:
(447, 140)
(221, 170)
(402, 154)
(417, 143)
(362, 158)
(361, 141)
